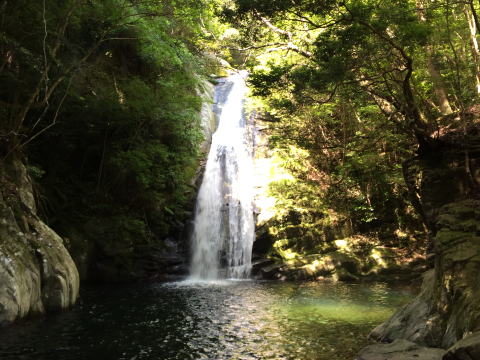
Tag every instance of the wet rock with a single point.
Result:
(445, 176)
(156, 261)
(400, 350)
(272, 271)
(258, 264)
(37, 273)
(344, 275)
(415, 321)
(207, 116)
(465, 349)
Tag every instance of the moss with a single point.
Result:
(461, 209)
(447, 238)
(447, 220)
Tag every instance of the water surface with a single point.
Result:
(221, 320)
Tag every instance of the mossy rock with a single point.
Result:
(464, 209)
(342, 274)
(448, 238)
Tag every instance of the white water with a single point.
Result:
(223, 231)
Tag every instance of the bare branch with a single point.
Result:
(253, 47)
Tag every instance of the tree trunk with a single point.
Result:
(473, 44)
(438, 84)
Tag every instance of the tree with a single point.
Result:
(101, 99)
(351, 83)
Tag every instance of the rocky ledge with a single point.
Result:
(401, 349)
(379, 263)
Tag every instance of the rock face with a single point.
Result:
(416, 321)
(449, 306)
(207, 116)
(37, 274)
(466, 349)
(400, 350)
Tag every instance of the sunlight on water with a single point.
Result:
(324, 312)
(216, 320)
(192, 282)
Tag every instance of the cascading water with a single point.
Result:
(223, 231)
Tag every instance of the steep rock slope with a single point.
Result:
(448, 309)
(37, 274)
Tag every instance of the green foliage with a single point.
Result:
(113, 130)
(355, 86)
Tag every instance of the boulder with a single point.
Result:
(400, 350)
(466, 349)
(272, 271)
(37, 273)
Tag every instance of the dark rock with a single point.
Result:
(263, 241)
(272, 271)
(155, 260)
(344, 275)
(415, 321)
(257, 265)
(465, 349)
(400, 350)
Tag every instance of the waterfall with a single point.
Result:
(223, 230)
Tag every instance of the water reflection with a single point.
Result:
(222, 320)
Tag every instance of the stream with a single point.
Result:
(223, 319)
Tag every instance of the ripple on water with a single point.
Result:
(209, 320)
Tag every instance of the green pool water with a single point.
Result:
(221, 320)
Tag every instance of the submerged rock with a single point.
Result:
(400, 350)
(37, 273)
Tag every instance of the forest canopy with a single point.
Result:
(359, 89)
(103, 98)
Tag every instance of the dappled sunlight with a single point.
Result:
(377, 256)
(286, 254)
(266, 171)
(341, 244)
(312, 268)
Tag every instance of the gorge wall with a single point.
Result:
(448, 308)
(37, 274)
(38, 268)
